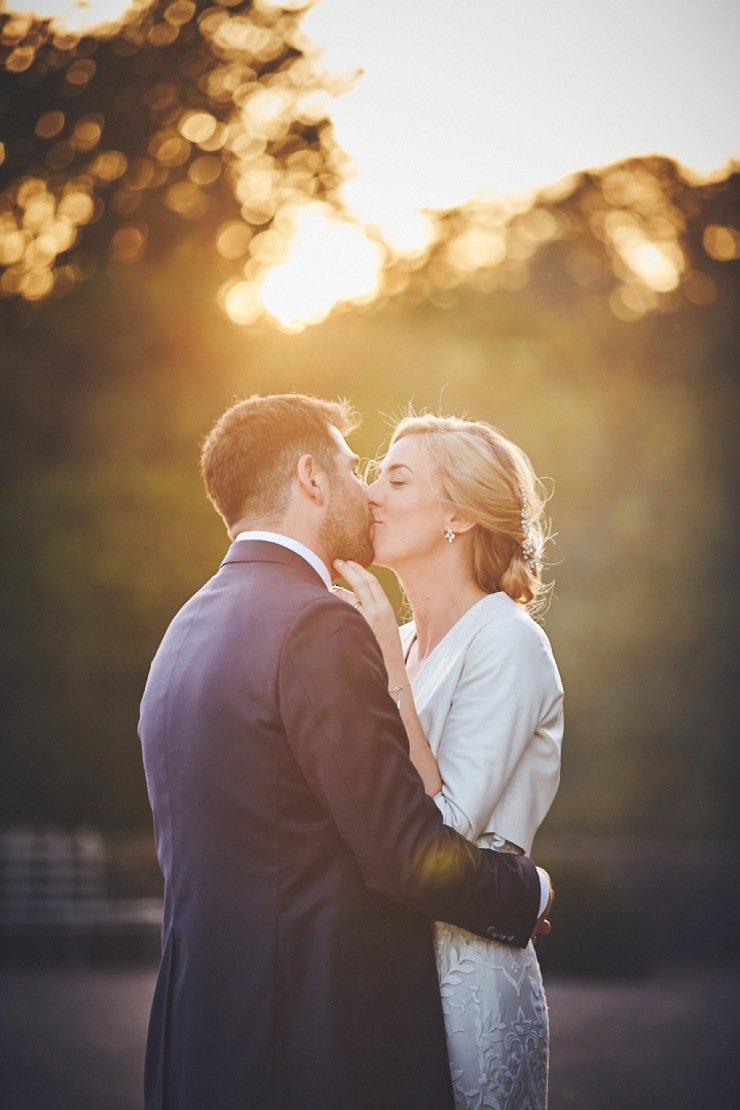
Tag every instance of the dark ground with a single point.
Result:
(73, 1038)
(661, 1037)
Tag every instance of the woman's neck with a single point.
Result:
(437, 603)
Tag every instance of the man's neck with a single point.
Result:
(283, 538)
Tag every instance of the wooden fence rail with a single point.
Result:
(53, 889)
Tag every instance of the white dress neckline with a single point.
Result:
(459, 625)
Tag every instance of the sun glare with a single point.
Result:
(326, 261)
(406, 229)
(658, 264)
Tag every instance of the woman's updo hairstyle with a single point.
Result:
(487, 479)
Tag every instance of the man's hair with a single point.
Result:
(249, 457)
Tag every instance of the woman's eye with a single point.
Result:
(396, 483)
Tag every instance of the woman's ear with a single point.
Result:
(311, 479)
(460, 524)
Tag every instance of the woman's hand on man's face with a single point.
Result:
(368, 597)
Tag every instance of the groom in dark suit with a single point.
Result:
(303, 862)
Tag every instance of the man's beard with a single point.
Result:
(345, 533)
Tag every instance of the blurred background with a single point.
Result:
(187, 217)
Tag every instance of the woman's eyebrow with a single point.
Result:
(397, 466)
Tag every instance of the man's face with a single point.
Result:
(345, 532)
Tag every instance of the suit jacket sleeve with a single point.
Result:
(346, 735)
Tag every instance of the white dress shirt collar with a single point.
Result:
(292, 545)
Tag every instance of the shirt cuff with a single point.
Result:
(545, 887)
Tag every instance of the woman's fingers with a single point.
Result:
(346, 595)
(352, 571)
(364, 584)
(376, 609)
(373, 603)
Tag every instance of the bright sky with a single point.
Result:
(461, 98)
(504, 96)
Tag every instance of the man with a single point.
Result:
(303, 862)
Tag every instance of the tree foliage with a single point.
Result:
(200, 120)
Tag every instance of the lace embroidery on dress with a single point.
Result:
(496, 1021)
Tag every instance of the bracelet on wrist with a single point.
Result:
(396, 691)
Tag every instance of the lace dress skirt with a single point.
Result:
(496, 1021)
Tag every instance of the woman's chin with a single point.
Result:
(382, 556)
(378, 556)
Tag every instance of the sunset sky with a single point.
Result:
(496, 98)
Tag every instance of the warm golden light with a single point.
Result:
(109, 166)
(312, 261)
(205, 170)
(659, 265)
(185, 198)
(699, 288)
(87, 132)
(243, 62)
(198, 127)
(242, 303)
(477, 247)
(78, 208)
(182, 11)
(722, 243)
(49, 124)
(416, 193)
(233, 240)
(77, 15)
(128, 244)
(329, 261)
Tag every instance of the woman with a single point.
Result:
(458, 516)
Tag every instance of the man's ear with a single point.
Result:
(311, 479)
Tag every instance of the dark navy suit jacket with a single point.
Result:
(303, 863)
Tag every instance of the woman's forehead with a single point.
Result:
(405, 452)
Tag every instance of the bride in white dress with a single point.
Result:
(458, 516)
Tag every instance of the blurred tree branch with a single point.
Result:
(186, 120)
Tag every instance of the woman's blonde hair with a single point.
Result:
(487, 479)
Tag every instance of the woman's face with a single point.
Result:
(409, 519)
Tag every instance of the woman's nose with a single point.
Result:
(373, 493)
